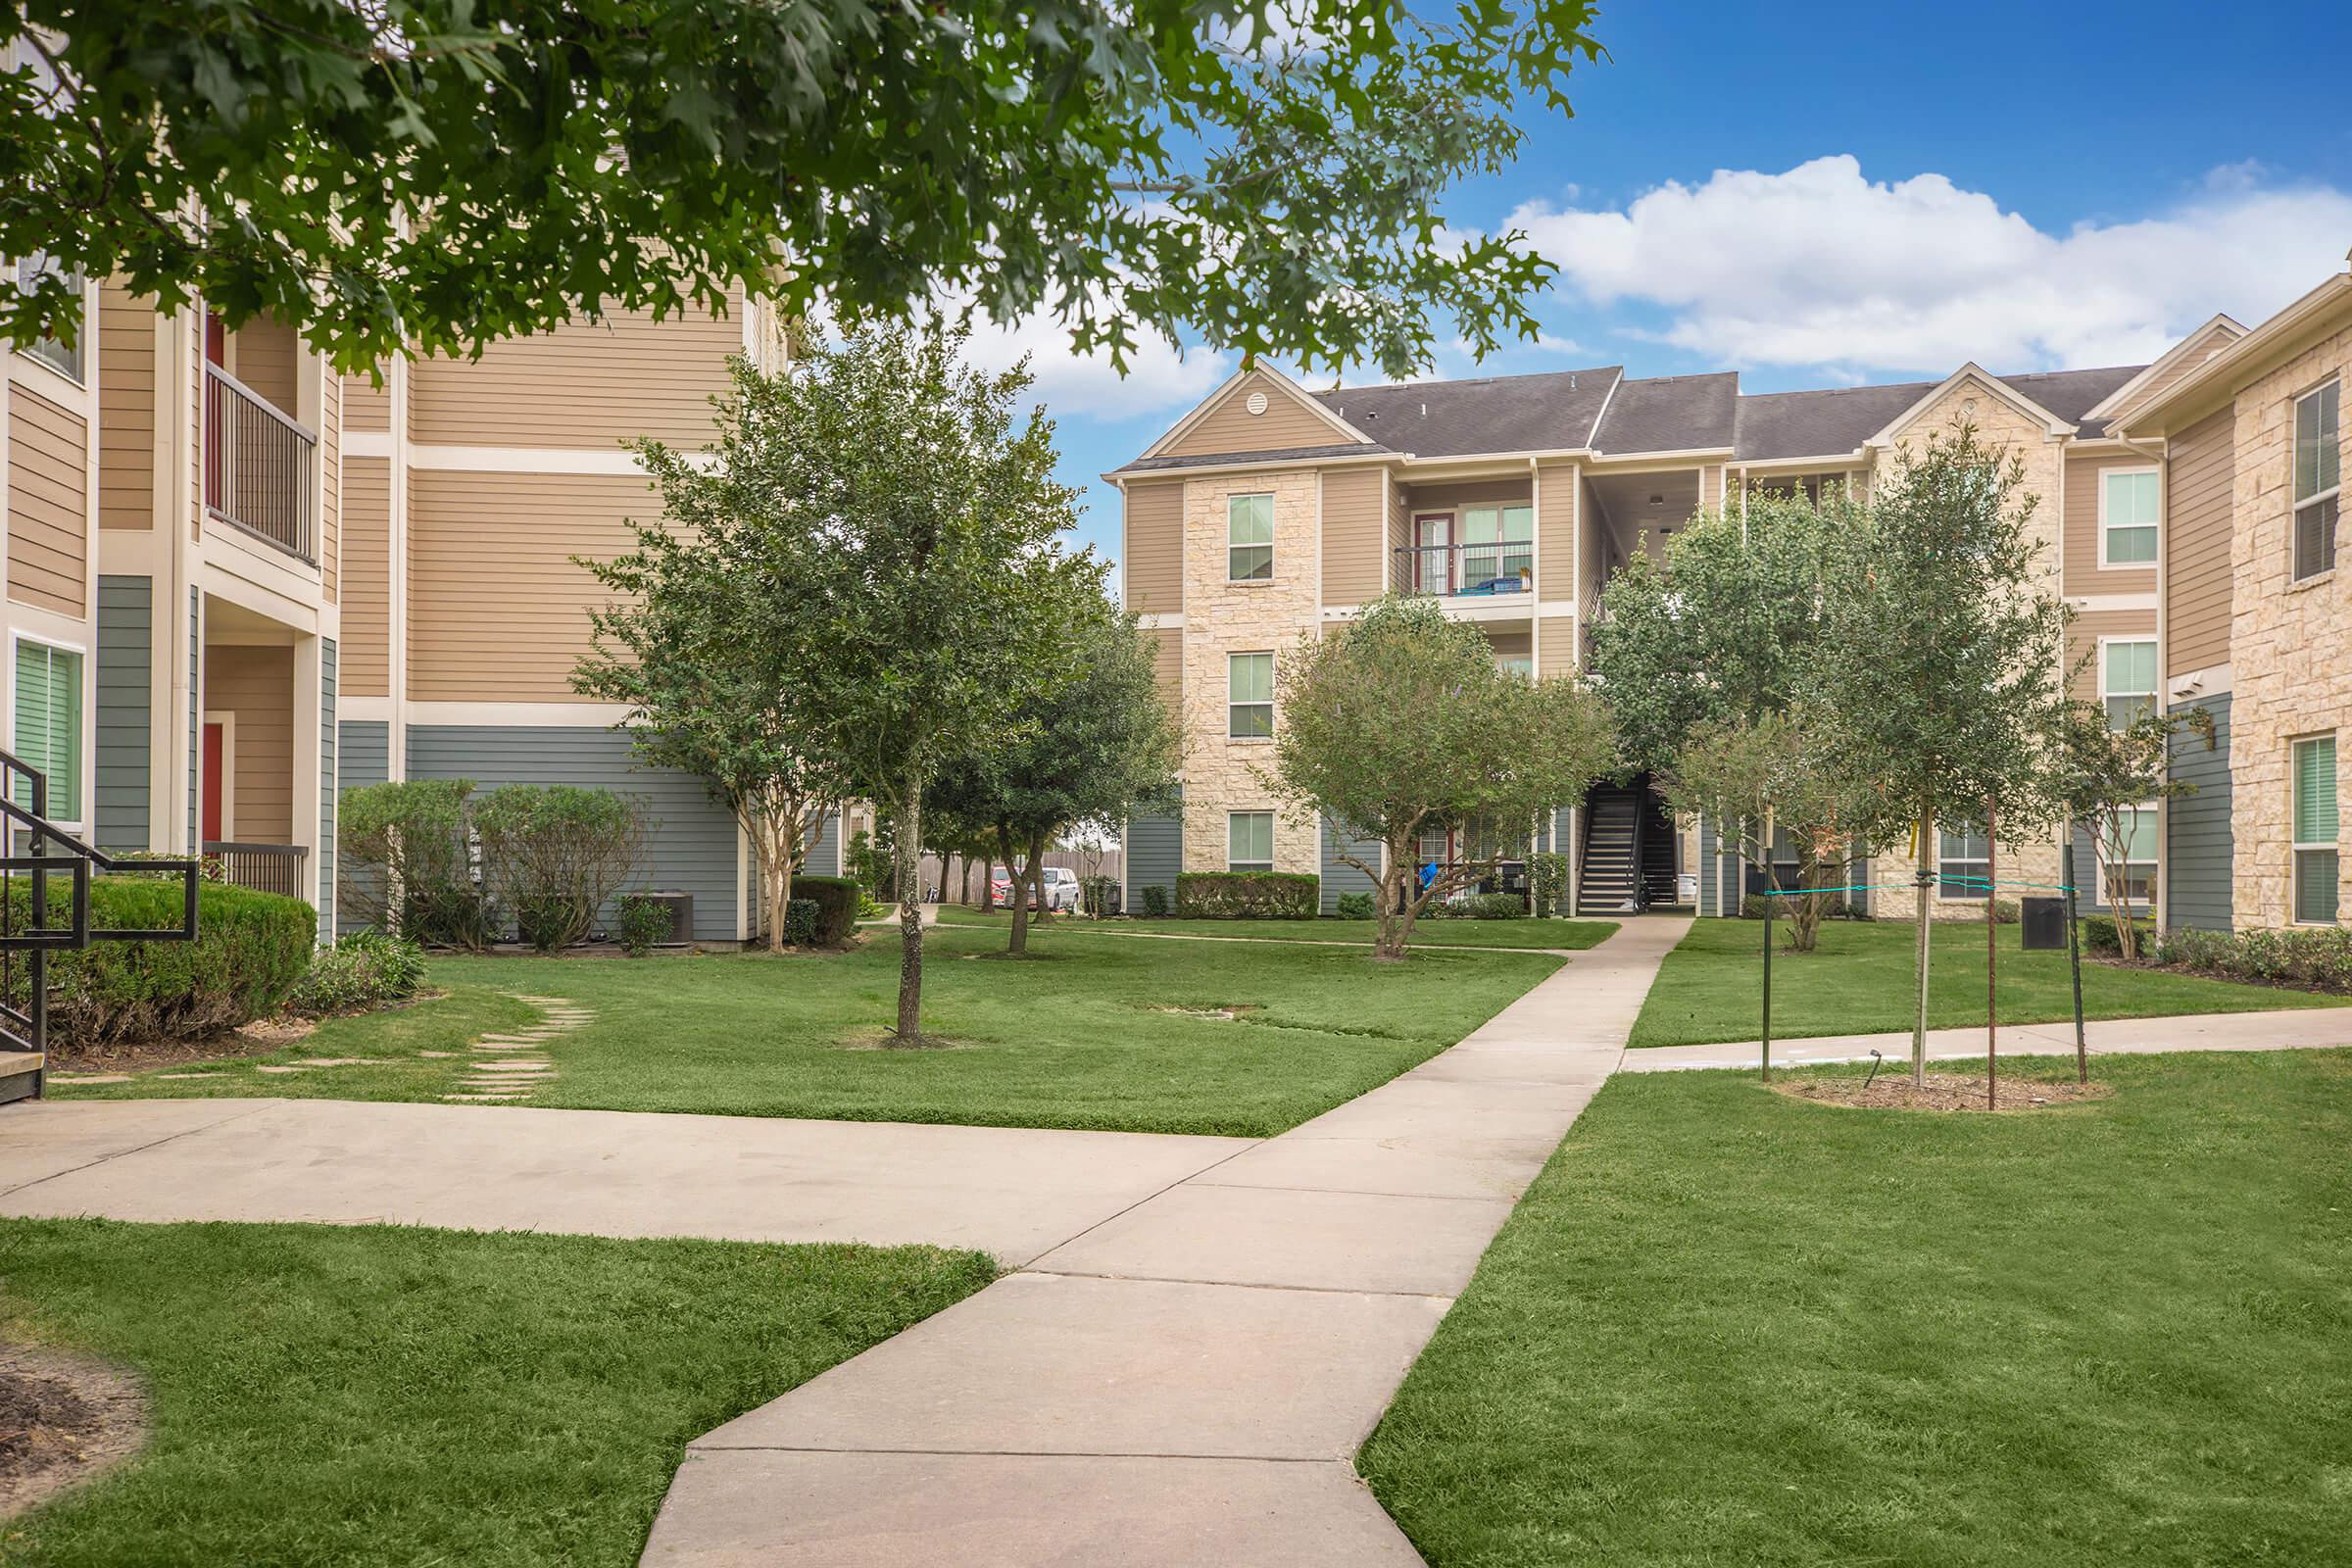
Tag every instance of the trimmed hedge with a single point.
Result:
(2099, 935)
(2317, 958)
(1482, 907)
(1249, 896)
(1156, 900)
(251, 950)
(1357, 906)
(365, 969)
(836, 899)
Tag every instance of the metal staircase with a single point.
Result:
(33, 924)
(1624, 829)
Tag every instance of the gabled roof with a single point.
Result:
(1670, 414)
(2022, 400)
(1213, 460)
(1554, 412)
(2177, 356)
(1835, 422)
(2268, 344)
(1283, 387)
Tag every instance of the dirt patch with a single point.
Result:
(1944, 1090)
(1212, 1012)
(63, 1419)
(879, 1039)
(256, 1039)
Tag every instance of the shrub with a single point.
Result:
(209, 867)
(250, 952)
(1481, 907)
(874, 864)
(1248, 895)
(837, 899)
(2099, 935)
(1548, 880)
(407, 862)
(365, 969)
(645, 923)
(557, 853)
(1156, 898)
(801, 916)
(1097, 894)
(2320, 958)
(1357, 906)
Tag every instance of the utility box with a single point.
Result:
(681, 916)
(2043, 925)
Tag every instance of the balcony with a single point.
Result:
(259, 467)
(1468, 571)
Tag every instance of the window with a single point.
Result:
(2140, 857)
(2316, 868)
(1250, 841)
(1249, 538)
(1497, 548)
(30, 271)
(2128, 517)
(1964, 861)
(1521, 665)
(48, 733)
(1249, 695)
(2128, 681)
(2317, 486)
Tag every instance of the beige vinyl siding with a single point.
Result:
(193, 326)
(2083, 636)
(1400, 521)
(2196, 544)
(330, 477)
(586, 385)
(2080, 549)
(257, 684)
(1558, 646)
(1167, 659)
(365, 653)
(125, 409)
(48, 496)
(1152, 555)
(366, 405)
(1230, 426)
(498, 613)
(1511, 644)
(2204, 346)
(1353, 533)
(266, 356)
(1555, 534)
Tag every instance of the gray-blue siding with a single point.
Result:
(2199, 848)
(1154, 849)
(362, 756)
(692, 845)
(126, 746)
(825, 859)
(1338, 875)
(1710, 870)
(327, 740)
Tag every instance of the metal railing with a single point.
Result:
(258, 467)
(1468, 571)
(261, 868)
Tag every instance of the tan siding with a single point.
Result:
(1168, 661)
(1511, 644)
(2083, 636)
(1230, 426)
(194, 328)
(125, 409)
(2204, 346)
(1559, 656)
(1555, 535)
(1354, 530)
(366, 405)
(330, 479)
(1152, 559)
(365, 653)
(1400, 518)
(257, 684)
(2079, 544)
(497, 611)
(48, 494)
(584, 385)
(267, 358)
(2196, 544)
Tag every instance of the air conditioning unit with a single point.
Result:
(681, 916)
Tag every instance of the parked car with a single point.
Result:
(1062, 890)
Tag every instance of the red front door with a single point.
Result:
(213, 761)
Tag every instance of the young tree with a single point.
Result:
(1757, 777)
(437, 173)
(1936, 674)
(705, 647)
(1400, 724)
(2107, 775)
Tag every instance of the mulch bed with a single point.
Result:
(258, 1038)
(1892, 1090)
(63, 1419)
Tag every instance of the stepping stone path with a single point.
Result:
(508, 1064)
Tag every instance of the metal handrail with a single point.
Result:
(261, 402)
(1495, 566)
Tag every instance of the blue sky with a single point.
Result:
(1823, 194)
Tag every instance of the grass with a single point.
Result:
(1860, 981)
(1726, 1326)
(1541, 935)
(364, 1395)
(1078, 1034)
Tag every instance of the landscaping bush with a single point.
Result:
(801, 918)
(209, 867)
(645, 923)
(365, 969)
(407, 860)
(2318, 958)
(557, 853)
(250, 952)
(2099, 935)
(1752, 909)
(1357, 906)
(1156, 900)
(1097, 894)
(1247, 895)
(1482, 907)
(1547, 881)
(837, 900)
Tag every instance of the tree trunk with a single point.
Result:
(1037, 877)
(2116, 877)
(988, 884)
(1919, 1028)
(910, 917)
(1392, 900)
(1018, 876)
(965, 895)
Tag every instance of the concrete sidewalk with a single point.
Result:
(1186, 1382)
(2285, 1029)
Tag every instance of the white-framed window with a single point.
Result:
(1499, 549)
(2140, 839)
(1248, 696)
(2315, 820)
(2128, 504)
(1249, 538)
(1250, 841)
(2319, 490)
(52, 352)
(47, 733)
(1521, 665)
(2126, 679)
(1963, 861)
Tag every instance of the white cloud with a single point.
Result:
(1160, 377)
(1822, 267)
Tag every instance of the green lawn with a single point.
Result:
(1728, 1327)
(327, 1395)
(1079, 1034)
(1860, 981)
(1575, 935)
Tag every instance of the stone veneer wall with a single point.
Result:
(1222, 617)
(2290, 644)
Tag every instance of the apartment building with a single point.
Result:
(238, 583)
(1272, 510)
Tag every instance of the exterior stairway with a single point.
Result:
(1606, 886)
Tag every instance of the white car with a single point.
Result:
(1060, 884)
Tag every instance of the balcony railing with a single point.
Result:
(1468, 571)
(258, 467)
(262, 867)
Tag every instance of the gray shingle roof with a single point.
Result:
(1806, 424)
(1548, 412)
(2070, 393)
(1670, 414)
